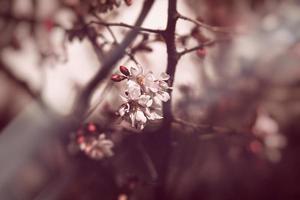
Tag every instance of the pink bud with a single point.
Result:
(117, 77)
(128, 2)
(80, 139)
(91, 127)
(201, 53)
(49, 24)
(124, 70)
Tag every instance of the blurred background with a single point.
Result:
(239, 99)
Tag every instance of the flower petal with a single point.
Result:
(164, 76)
(155, 116)
(153, 87)
(140, 116)
(163, 85)
(124, 99)
(150, 77)
(132, 118)
(145, 100)
(122, 111)
(134, 90)
(163, 96)
(137, 70)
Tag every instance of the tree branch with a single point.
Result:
(116, 42)
(21, 83)
(204, 127)
(208, 27)
(200, 46)
(140, 29)
(169, 36)
(165, 139)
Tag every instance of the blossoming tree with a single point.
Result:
(138, 136)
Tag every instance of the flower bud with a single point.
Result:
(128, 2)
(80, 139)
(124, 70)
(91, 127)
(49, 24)
(117, 77)
(201, 52)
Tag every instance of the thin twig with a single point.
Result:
(148, 161)
(209, 43)
(208, 27)
(116, 42)
(140, 29)
(206, 127)
(200, 46)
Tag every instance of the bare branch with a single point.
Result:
(156, 31)
(116, 42)
(169, 36)
(203, 127)
(22, 84)
(208, 27)
(200, 46)
(209, 43)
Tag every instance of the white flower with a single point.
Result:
(144, 95)
(267, 129)
(135, 108)
(133, 89)
(152, 115)
(139, 110)
(98, 148)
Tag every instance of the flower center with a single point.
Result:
(140, 80)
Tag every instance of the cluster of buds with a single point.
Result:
(89, 140)
(267, 130)
(143, 96)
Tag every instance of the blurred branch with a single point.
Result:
(148, 161)
(140, 29)
(208, 27)
(204, 127)
(208, 43)
(115, 40)
(169, 36)
(200, 46)
(30, 20)
(21, 84)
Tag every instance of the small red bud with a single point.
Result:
(124, 70)
(256, 147)
(49, 24)
(201, 53)
(117, 77)
(128, 2)
(80, 139)
(91, 127)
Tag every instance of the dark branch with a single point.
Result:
(169, 36)
(200, 46)
(208, 27)
(140, 29)
(21, 84)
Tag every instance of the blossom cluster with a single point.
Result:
(89, 140)
(267, 130)
(143, 95)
